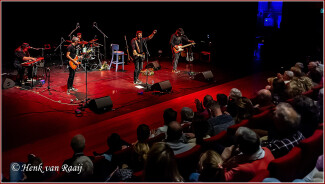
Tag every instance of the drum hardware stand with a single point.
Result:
(60, 46)
(48, 76)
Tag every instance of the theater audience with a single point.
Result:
(278, 90)
(246, 158)
(218, 121)
(263, 101)
(175, 140)
(210, 168)
(286, 134)
(309, 113)
(36, 176)
(84, 173)
(160, 165)
(299, 83)
(77, 144)
(114, 143)
(233, 96)
(245, 109)
(202, 108)
(222, 99)
(169, 116)
(201, 129)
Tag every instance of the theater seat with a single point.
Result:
(187, 162)
(232, 129)
(260, 176)
(285, 168)
(122, 156)
(312, 147)
(210, 143)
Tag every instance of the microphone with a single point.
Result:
(34, 48)
(78, 24)
(94, 24)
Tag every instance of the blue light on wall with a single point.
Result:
(268, 22)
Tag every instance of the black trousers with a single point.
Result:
(138, 65)
(21, 72)
(72, 73)
(175, 60)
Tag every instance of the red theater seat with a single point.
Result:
(312, 147)
(220, 138)
(187, 161)
(260, 176)
(285, 168)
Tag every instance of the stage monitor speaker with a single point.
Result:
(154, 64)
(163, 86)
(7, 83)
(100, 105)
(204, 76)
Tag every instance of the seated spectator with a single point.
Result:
(245, 109)
(201, 109)
(85, 170)
(77, 144)
(287, 76)
(300, 66)
(187, 115)
(222, 99)
(286, 134)
(308, 111)
(263, 101)
(210, 168)
(233, 96)
(278, 90)
(218, 121)
(114, 143)
(175, 140)
(300, 82)
(160, 165)
(141, 148)
(246, 158)
(201, 129)
(36, 176)
(169, 116)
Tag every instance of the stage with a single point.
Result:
(43, 122)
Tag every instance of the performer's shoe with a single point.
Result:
(175, 71)
(139, 82)
(68, 92)
(74, 89)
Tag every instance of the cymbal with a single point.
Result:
(93, 40)
(83, 42)
(69, 41)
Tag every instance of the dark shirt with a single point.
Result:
(140, 44)
(220, 123)
(281, 146)
(73, 51)
(74, 157)
(176, 40)
(19, 55)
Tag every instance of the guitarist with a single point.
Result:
(71, 55)
(138, 53)
(177, 39)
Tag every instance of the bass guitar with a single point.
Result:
(72, 64)
(180, 47)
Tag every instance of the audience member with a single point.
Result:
(246, 158)
(201, 129)
(85, 171)
(77, 144)
(210, 168)
(233, 96)
(222, 99)
(201, 109)
(286, 134)
(169, 116)
(263, 101)
(187, 116)
(218, 121)
(245, 109)
(278, 90)
(309, 113)
(39, 175)
(160, 165)
(175, 140)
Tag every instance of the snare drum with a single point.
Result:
(84, 50)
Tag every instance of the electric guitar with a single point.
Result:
(142, 55)
(73, 65)
(180, 47)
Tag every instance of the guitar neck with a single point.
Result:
(186, 45)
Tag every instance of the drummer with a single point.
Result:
(83, 46)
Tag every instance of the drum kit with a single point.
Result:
(91, 54)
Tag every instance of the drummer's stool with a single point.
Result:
(116, 53)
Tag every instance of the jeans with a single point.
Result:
(72, 73)
(175, 60)
(138, 65)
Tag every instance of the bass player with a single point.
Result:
(176, 41)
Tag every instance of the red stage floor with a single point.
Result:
(35, 122)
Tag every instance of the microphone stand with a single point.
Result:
(62, 41)
(95, 25)
(147, 72)
(73, 31)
